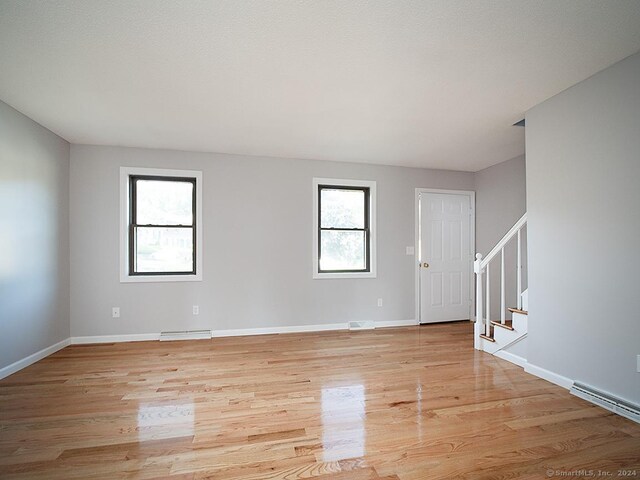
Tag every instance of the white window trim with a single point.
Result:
(125, 172)
(372, 227)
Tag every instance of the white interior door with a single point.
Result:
(445, 256)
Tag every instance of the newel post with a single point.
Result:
(478, 272)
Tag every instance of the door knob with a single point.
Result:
(425, 265)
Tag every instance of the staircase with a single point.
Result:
(499, 336)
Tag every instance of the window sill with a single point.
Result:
(160, 278)
(327, 276)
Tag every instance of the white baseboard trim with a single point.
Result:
(241, 332)
(135, 337)
(549, 376)
(510, 357)
(237, 332)
(534, 370)
(305, 328)
(397, 323)
(33, 358)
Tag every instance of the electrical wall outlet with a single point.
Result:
(196, 310)
(115, 312)
(638, 363)
(379, 302)
(410, 251)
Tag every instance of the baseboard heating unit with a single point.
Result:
(607, 401)
(363, 325)
(185, 335)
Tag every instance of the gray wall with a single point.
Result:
(34, 245)
(500, 202)
(257, 245)
(583, 196)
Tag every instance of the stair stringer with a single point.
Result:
(503, 338)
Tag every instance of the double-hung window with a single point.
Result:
(344, 229)
(161, 225)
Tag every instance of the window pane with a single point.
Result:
(164, 249)
(342, 250)
(342, 208)
(161, 202)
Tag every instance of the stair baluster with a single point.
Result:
(487, 320)
(519, 272)
(481, 267)
(503, 303)
(479, 306)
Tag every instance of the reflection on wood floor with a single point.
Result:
(406, 403)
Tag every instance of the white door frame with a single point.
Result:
(472, 244)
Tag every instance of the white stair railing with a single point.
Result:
(481, 268)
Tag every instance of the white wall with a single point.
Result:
(34, 244)
(257, 245)
(583, 196)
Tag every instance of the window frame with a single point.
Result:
(128, 176)
(133, 223)
(369, 187)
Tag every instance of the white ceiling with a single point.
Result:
(418, 83)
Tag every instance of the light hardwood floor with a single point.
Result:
(407, 403)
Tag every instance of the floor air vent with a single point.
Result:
(365, 325)
(185, 335)
(607, 401)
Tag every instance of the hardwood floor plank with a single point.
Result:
(395, 404)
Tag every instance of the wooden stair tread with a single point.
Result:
(507, 325)
(482, 335)
(517, 310)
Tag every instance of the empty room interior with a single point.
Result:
(301, 239)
